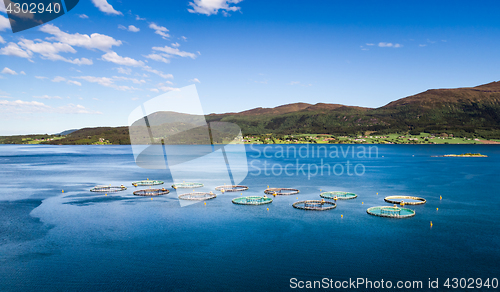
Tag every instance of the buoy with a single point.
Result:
(437, 209)
(267, 209)
(151, 199)
(341, 216)
(440, 197)
(377, 193)
(63, 191)
(267, 186)
(431, 223)
(242, 194)
(362, 203)
(205, 203)
(105, 194)
(320, 190)
(297, 198)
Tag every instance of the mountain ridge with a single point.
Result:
(461, 111)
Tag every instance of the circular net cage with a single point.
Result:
(108, 189)
(198, 196)
(151, 192)
(391, 212)
(316, 205)
(338, 195)
(253, 200)
(231, 188)
(405, 200)
(147, 183)
(281, 191)
(187, 185)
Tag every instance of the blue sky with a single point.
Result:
(94, 65)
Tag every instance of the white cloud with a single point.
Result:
(105, 7)
(8, 71)
(160, 30)
(126, 71)
(184, 38)
(58, 79)
(4, 23)
(168, 88)
(76, 109)
(209, 7)
(370, 44)
(48, 97)
(19, 106)
(175, 45)
(50, 51)
(133, 28)
(174, 51)
(129, 28)
(74, 82)
(157, 57)
(29, 107)
(389, 45)
(61, 79)
(94, 41)
(195, 80)
(422, 45)
(41, 77)
(22, 73)
(133, 80)
(125, 61)
(2, 41)
(83, 16)
(105, 81)
(137, 17)
(155, 90)
(159, 73)
(13, 49)
(2, 7)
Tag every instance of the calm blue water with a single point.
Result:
(82, 241)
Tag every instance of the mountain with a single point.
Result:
(67, 132)
(461, 111)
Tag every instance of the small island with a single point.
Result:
(465, 155)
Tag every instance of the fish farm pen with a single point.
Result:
(147, 183)
(231, 188)
(151, 192)
(198, 196)
(338, 195)
(187, 185)
(253, 200)
(281, 191)
(392, 212)
(401, 200)
(108, 189)
(315, 205)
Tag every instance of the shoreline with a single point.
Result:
(318, 144)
